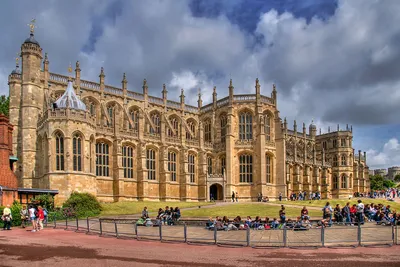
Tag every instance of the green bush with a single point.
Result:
(81, 205)
(44, 200)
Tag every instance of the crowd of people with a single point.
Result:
(348, 215)
(167, 216)
(36, 216)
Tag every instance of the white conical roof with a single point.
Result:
(69, 99)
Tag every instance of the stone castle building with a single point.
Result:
(72, 134)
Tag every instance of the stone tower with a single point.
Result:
(14, 83)
(31, 105)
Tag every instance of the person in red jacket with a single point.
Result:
(40, 218)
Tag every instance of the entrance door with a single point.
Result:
(216, 192)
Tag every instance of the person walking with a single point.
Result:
(7, 217)
(237, 196)
(40, 218)
(233, 196)
(280, 196)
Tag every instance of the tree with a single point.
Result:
(376, 182)
(397, 178)
(4, 104)
(389, 184)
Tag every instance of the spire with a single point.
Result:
(145, 87)
(16, 70)
(102, 75)
(274, 94)
(230, 92)
(164, 91)
(295, 126)
(285, 123)
(199, 101)
(257, 87)
(46, 60)
(304, 127)
(182, 97)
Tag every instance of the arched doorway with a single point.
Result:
(216, 192)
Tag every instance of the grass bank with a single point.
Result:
(130, 208)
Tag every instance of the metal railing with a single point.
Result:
(337, 236)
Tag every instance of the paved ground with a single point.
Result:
(53, 247)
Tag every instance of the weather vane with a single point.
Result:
(32, 25)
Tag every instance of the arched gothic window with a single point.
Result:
(245, 126)
(335, 182)
(343, 159)
(172, 165)
(223, 121)
(175, 126)
(155, 118)
(102, 159)
(77, 152)
(344, 181)
(268, 169)
(267, 126)
(207, 131)
(209, 165)
(192, 126)
(191, 168)
(246, 168)
(335, 161)
(127, 161)
(223, 165)
(151, 164)
(59, 152)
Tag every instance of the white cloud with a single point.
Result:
(388, 156)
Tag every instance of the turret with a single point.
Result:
(230, 92)
(274, 95)
(258, 92)
(312, 129)
(215, 97)
(124, 84)
(32, 96)
(182, 97)
(14, 83)
(78, 78)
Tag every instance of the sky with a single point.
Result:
(334, 62)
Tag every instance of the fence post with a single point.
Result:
(66, 223)
(323, 236)
(215, 235)
(185, 232)
(77, 223)
(116, 228)
(396, 234)
(359, 234)
(136, 232)
(248, 236)
(87, 224)
(55, 221)
(285, 237)
(160, 231)
(101, 227)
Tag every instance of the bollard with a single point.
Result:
(87, 225)
(185, 232)
(323, 236)
(101, 227)
(285, 237)
(55, 221)
(116, 229)
(359, 234)
(66, 223)
(160, 231)
(215, 235)
(248, 236)
(77, 223)
(393, 234)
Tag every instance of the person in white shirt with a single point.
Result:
(360, 211)
(32, 218)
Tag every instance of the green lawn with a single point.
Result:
(130, 208)
(342, 202)
(248, 209)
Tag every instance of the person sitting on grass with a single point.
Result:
(275, 224)
(338, 214)
(257, 223)
(209, 223)
(145, 213)
(304, 213)
(267, 224)
(177, 214)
